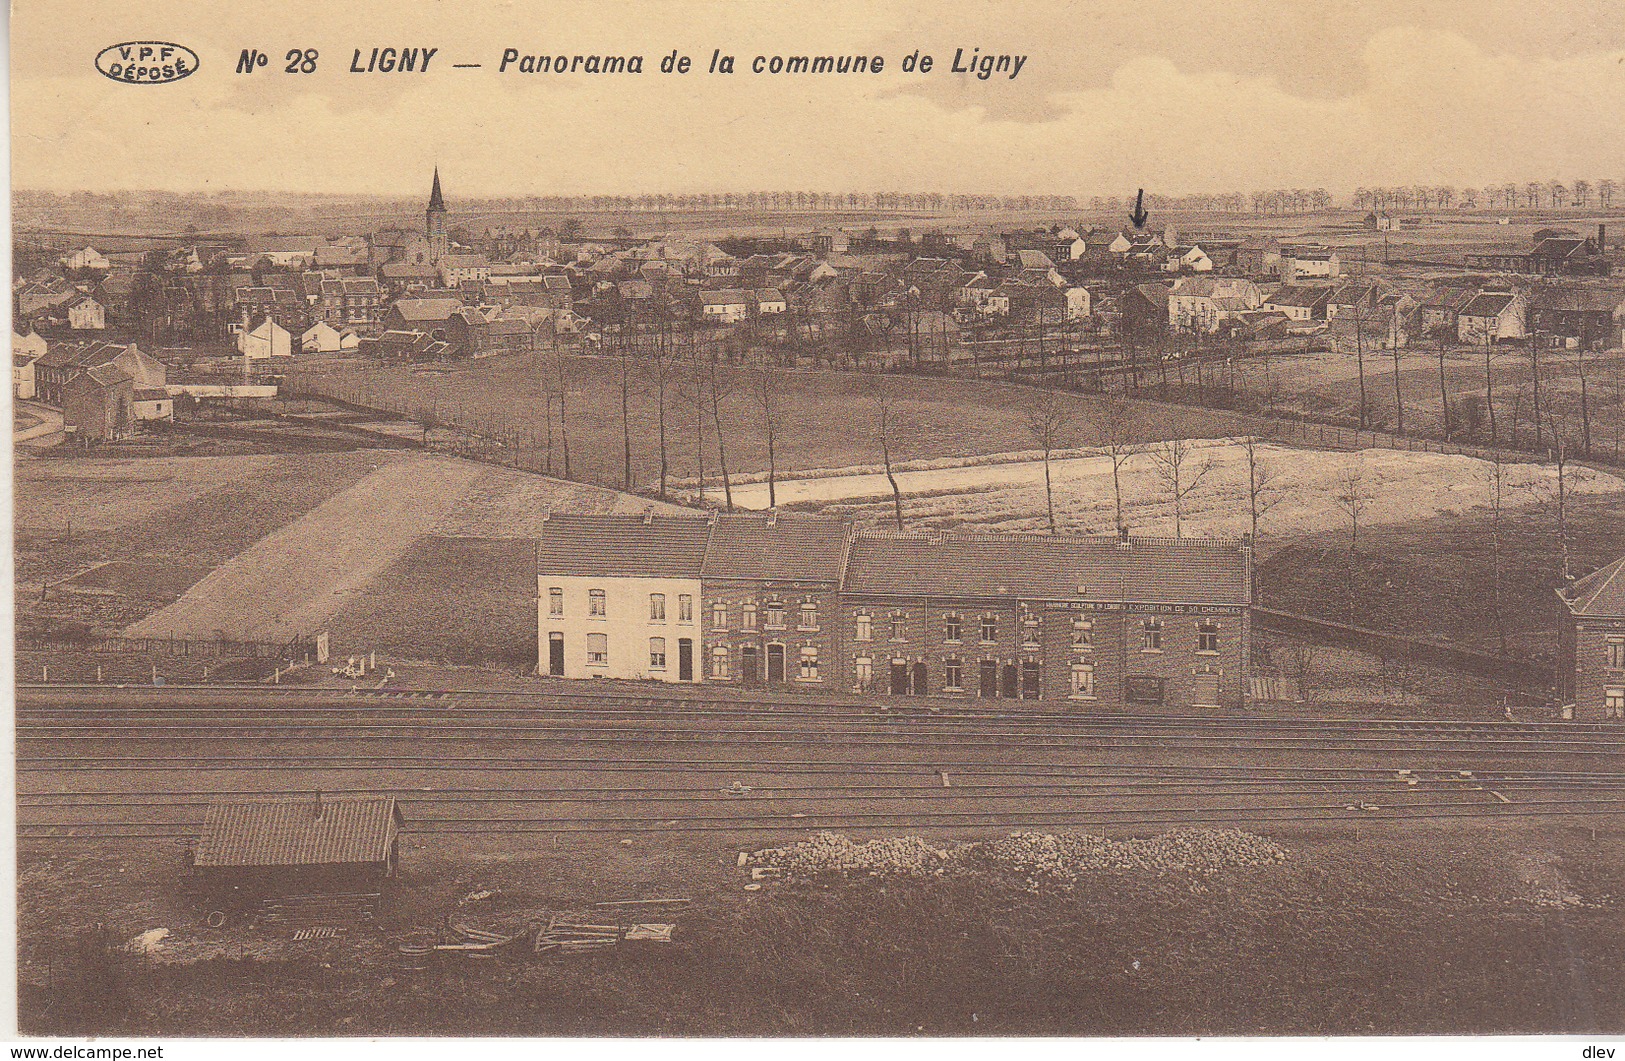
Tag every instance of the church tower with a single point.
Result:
(434, 222)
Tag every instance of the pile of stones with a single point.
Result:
(1054, 857)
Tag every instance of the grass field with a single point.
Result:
(1300, 496)
(1497, 928)
(828, 419)
(157, 525)
(1435, 577)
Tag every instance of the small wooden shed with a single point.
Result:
(315, 844)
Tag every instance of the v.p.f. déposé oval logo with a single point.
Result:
(146, 62)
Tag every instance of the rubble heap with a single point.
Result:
(1065, 856)
(1057, 857)
(828, 852)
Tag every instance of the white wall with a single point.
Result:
(626, 625)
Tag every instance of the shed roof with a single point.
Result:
(287, 833)
(650, 547)
(786, 548)
(1042, 567)
(1601, 593)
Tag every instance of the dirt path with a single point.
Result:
(292, 580)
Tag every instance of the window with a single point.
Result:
(747, 617)
(1083, 681)
(990, 628)
(1616, 653)
(865, 630)
(809, 616)
(719, 662)
(555, 601)
(1152, 632)
(685, 608)
(952, 628)
(1029, 631)
(773, 615)
(657, 607)
(657, 653)
(595, 603)
(1613, 702)
(597, 650)
(1083, 634)
(863, 668)
(809, 665)
(899, 628)
(1207, 637)
(953, 676)
(719, 616)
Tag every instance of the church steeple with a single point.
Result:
(434, 222)
(435, 200)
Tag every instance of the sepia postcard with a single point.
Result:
(739, 519)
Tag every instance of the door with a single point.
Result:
(1011, 681)
(685, 659)
(919, 679)
(555, 655)
(750, 666)
(899, 678)
(1205, 690)
(990, 679)
(775, 664)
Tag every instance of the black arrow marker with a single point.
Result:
(1139, 215)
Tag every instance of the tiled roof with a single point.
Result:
(347, 831)
(1578, 298)
(1486, 306)
(1146, 570)
(427, 309)
(788, 548)
(628, 546)
(1305, 297)
(1601, 593)
(729, 297)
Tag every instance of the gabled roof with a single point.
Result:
(651, 547)
(344, 832)
(1487, 305)
(1044, 567)
(1300, 297)
(783, 548)
(1601, 593)
(729, 297)
(1577, 298)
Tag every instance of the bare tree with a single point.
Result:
(662, 373)
(1497, 511)
(1444, 393)
(769, 395)
(1399, 394)
(1352, 497)
(884, 428)
(1115, 431)
(1263, 491)
(626, 419)
(720, 385)
(1046, 421)
(1306, 674)
(1180, 473)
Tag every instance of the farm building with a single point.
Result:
(300, 845)
(809, 603)
(1591, 646)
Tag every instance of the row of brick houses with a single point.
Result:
(817, 604)
(1591, 640)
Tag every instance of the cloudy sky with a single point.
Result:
(1173, 95)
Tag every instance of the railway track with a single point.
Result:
(1122, 818)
